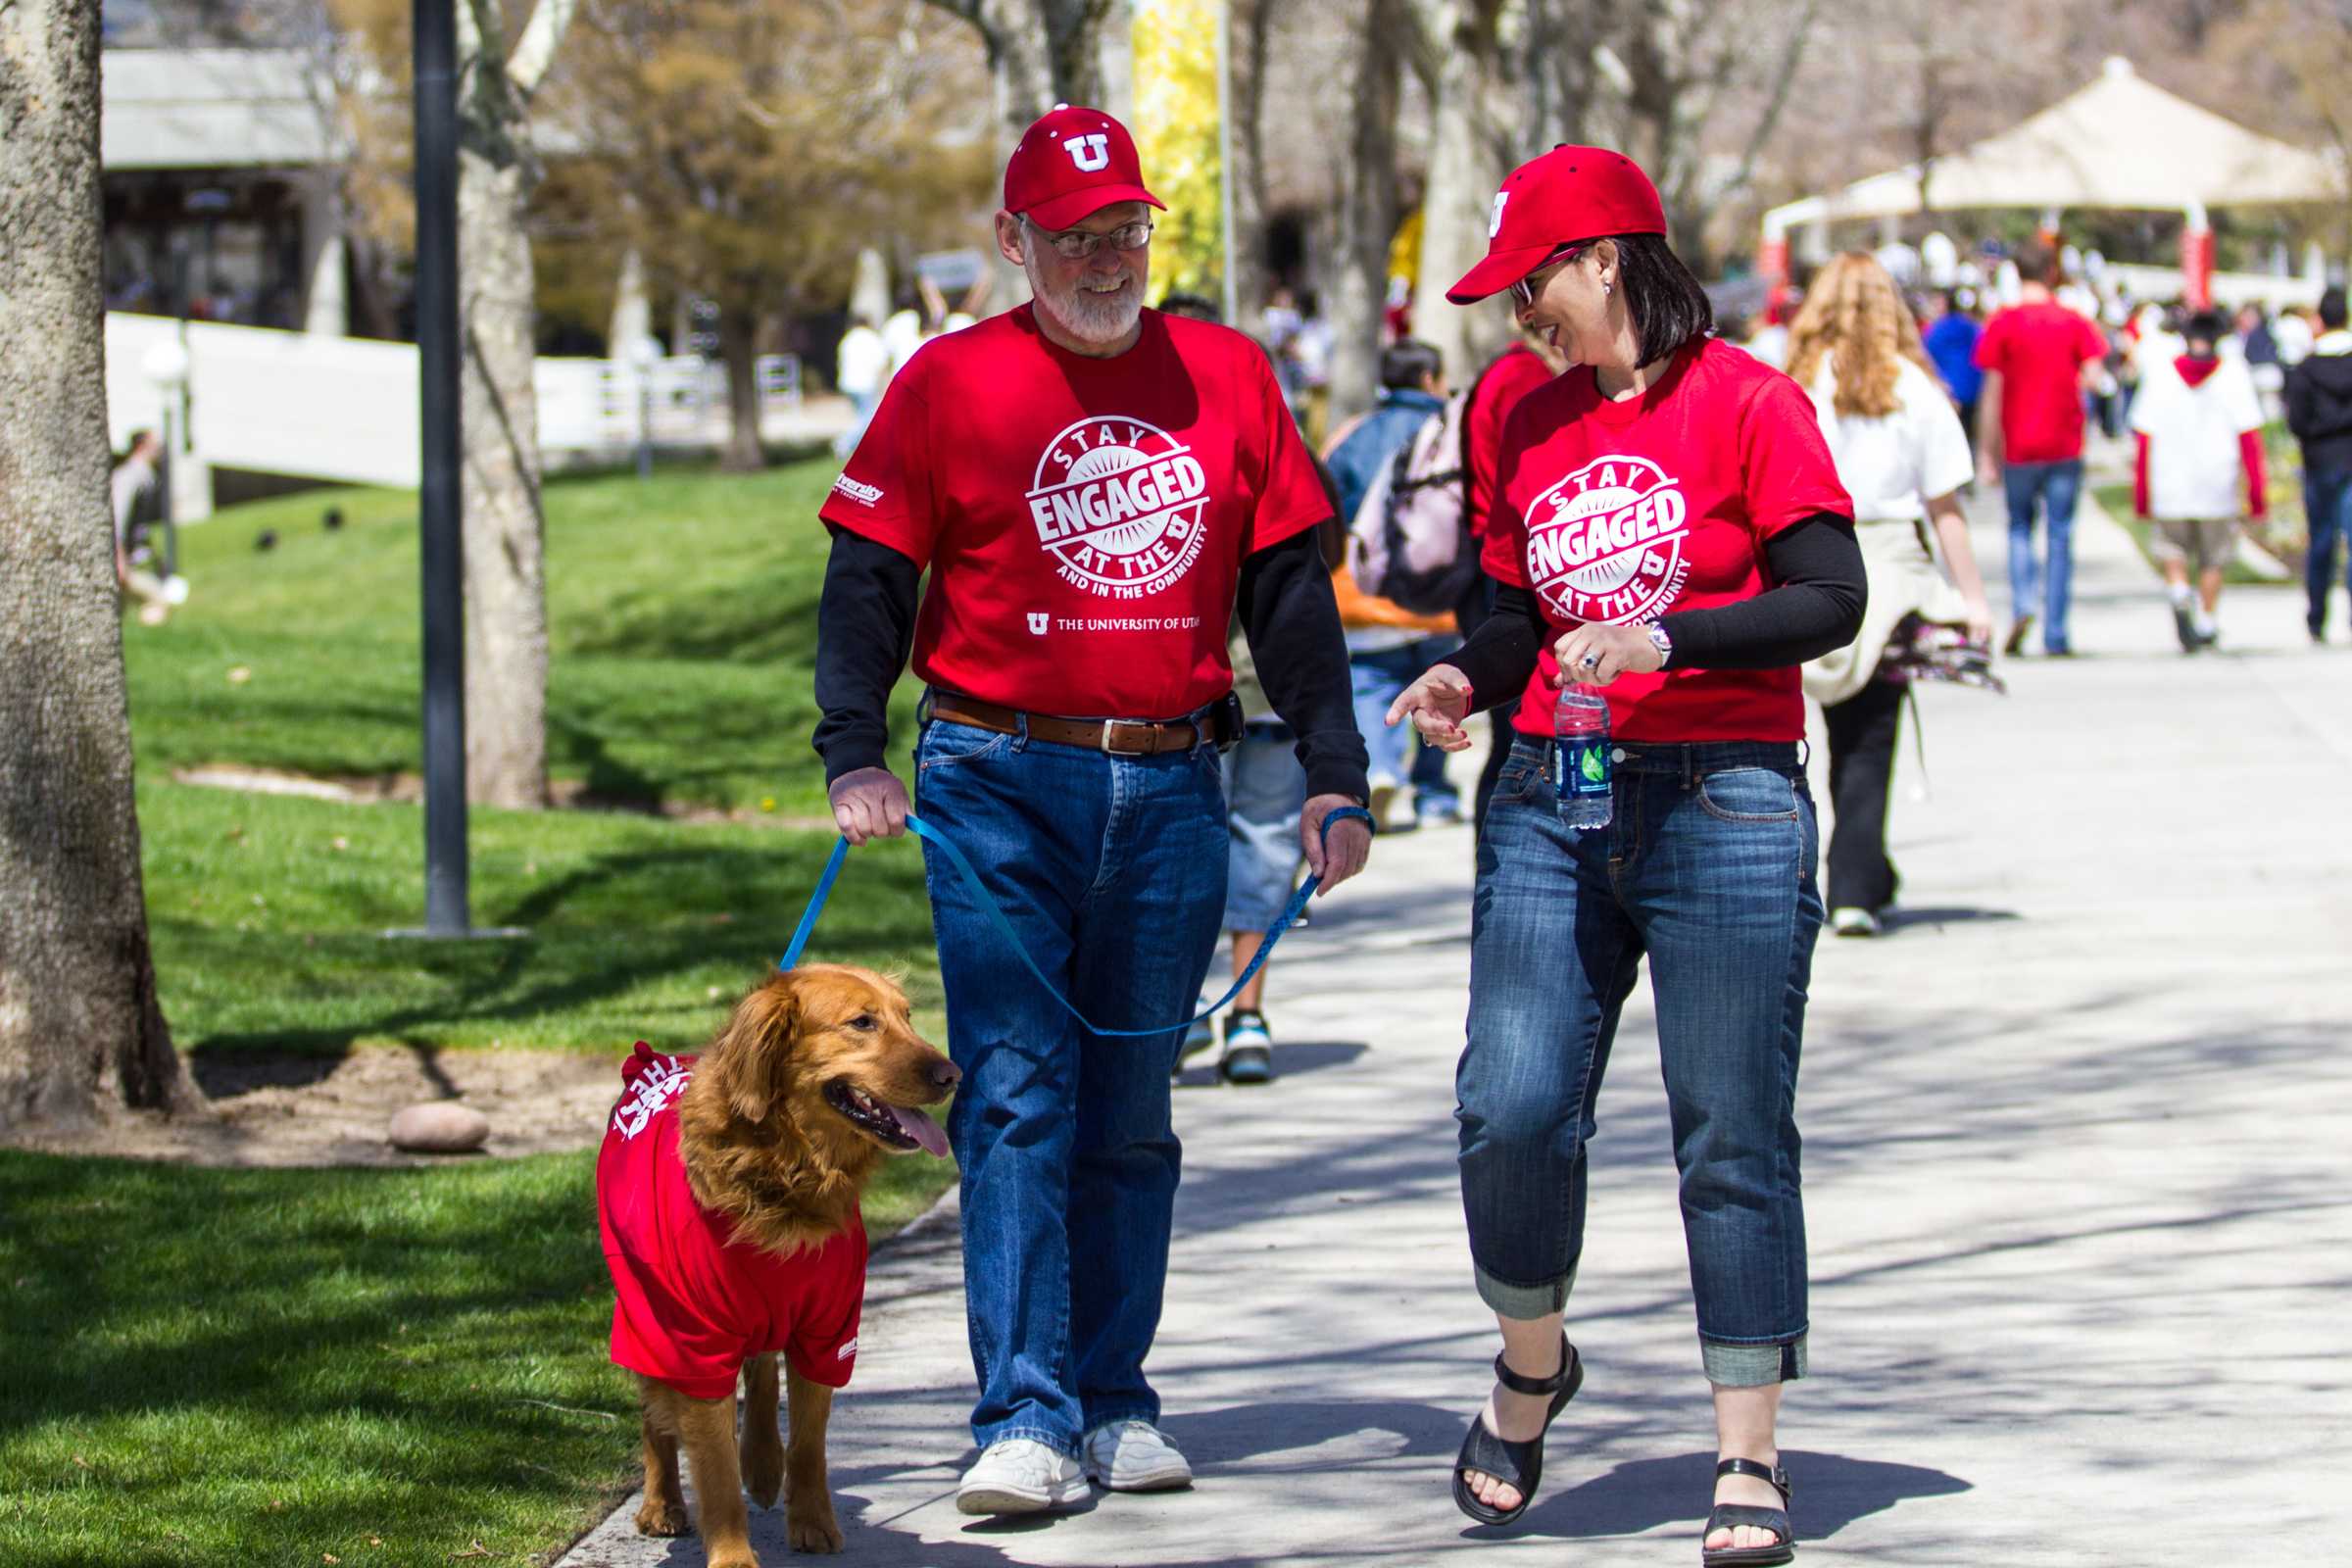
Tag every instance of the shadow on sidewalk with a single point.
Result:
(1832, 1492)
(1895, 920)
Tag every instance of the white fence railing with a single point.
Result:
(337, 407)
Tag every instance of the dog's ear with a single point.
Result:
(759, 1041)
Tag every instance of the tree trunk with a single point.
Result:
(1039, 53)
(506, 581)
(1367, 215)
(1458, 42)
(79, 1023)
(506, 578)
(738, 349)
(1252, 25)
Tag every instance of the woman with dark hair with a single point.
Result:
(1669, 528)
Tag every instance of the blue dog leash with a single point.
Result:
(995, 915)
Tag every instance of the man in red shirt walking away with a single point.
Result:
(1095, 488)
(2038, 358)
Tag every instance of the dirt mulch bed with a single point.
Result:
(283, 1109)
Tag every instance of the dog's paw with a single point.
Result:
(658, 1518)
(814, 1530)
(763, 1472)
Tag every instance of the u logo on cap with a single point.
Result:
(1495, 219)
(1089, 153)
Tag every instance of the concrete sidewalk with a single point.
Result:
(2077, 1177)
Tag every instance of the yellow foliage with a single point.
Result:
(1176, 135)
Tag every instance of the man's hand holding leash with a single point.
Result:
(1351, 841)
(870, 804)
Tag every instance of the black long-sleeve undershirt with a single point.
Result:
(866, 629)
(1815, 606)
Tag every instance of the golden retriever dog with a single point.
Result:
(775, 1129)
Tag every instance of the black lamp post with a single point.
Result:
(447, 912)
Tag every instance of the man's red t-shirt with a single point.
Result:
(1084, 520)
(2040, 350)
(1628, 511)
(691, 1303)
(1519, 371)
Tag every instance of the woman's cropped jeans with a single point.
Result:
(1710, 869)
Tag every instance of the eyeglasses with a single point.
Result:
(1076, 245)
(1524, 291)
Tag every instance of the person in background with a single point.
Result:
(137, 492)
(1265, 792)
(1413, 390)
(2294, 335)
(1902, 454)
(2040, 359)
(2258, 346)
(860, 366)
(1951, 343)
(1518, 370)
(2319, 411)
(2198, 420)
(1770, 341)
(1389, 647)
(903, 332)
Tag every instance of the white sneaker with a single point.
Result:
(1135, 1457)
(1020, 1475)
(1851, 923)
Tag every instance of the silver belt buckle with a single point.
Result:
(1111, 724)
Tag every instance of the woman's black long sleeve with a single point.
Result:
(1815, 606)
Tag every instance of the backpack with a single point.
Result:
(1410, 542)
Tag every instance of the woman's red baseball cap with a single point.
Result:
(1072, 163)
(1568, 194)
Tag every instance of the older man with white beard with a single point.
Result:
(1094, 487)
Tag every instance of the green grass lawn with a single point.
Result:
(683, 614)
(682, 618)
(383, 1366)
(209, 1367)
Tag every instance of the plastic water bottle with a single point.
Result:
(1579, 761)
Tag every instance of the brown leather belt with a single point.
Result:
(1118, 737)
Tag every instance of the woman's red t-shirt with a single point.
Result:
(1630, 510)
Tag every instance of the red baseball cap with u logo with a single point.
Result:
(1072, 163)
(1568, 194)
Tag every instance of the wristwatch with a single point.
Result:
(1662, 643)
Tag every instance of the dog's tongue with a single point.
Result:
(922, 1128)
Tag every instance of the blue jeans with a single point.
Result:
(2328, 518)
(1112, 871)
(1378, 678)
(2058, 485)
(1265, 795)
(1708, 869)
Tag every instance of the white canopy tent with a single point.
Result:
(2119, 142)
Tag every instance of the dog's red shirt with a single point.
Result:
(692, 1303)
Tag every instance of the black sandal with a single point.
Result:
(1732, 1515)
(1515, 1464)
